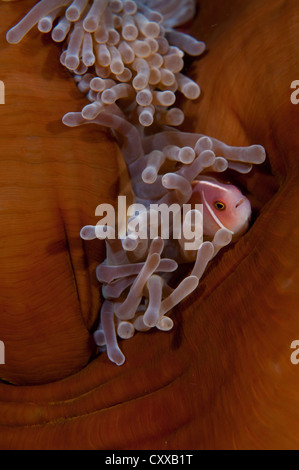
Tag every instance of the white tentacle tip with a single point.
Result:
(72, 119)
(165, 324)
(207, 250)
(99, 338)
(223, 237)
(88, 232)
(12, 37)
(116, 356)
(260, 153)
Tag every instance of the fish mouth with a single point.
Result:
(241, 201)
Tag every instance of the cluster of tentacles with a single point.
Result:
(122, 51)
(127, 58)
(136, 271)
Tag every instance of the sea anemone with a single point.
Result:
(134, 51)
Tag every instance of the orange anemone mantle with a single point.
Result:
(222, 378)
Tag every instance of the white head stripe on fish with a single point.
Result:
(213, 214)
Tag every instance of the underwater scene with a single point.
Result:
(149, 227)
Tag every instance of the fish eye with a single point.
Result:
(219, 205)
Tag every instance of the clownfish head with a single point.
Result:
(224, 206)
